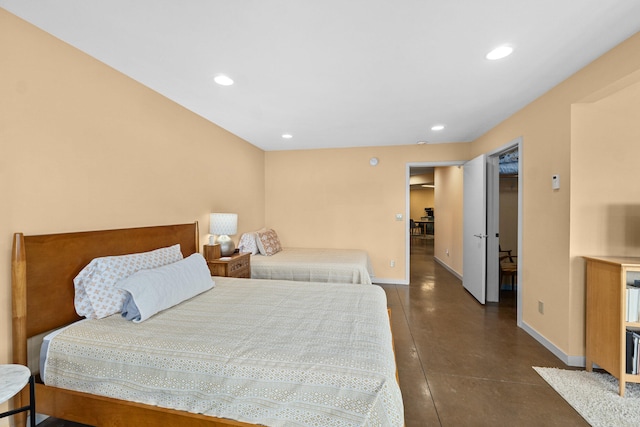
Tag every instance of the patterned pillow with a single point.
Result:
(268, 242)
(95, 293)
(248, 243)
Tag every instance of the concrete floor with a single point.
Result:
(464, 364)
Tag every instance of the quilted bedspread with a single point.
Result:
(314, 265)
(276, 353)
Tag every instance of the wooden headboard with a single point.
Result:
(43, 268)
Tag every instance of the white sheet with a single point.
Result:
(268, 352)
(314, 265)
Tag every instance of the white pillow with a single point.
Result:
(95, 293)
(154, 290)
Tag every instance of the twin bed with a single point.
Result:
(314, 265)
(246, 352)
(269, 260)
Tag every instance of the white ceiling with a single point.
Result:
(342, 73)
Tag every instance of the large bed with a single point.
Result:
(252, 352)
(270, 260)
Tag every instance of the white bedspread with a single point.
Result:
(276, 353)
(314, 265)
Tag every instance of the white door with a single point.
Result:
(474, 226)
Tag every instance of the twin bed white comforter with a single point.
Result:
(268, 352)
(314, 265)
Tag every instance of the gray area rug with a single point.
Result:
(595, 396)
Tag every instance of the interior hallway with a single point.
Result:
(462, 364)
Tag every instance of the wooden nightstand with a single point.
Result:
(237, 265)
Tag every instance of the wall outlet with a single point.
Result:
(540, 307)
(392, 263)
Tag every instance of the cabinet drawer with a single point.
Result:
(237, 266)
(244, 272)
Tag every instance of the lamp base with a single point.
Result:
(227, 247)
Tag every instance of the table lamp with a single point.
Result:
(222, 225)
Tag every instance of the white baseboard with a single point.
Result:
(577, 361)
(380, 281)
(455, 273)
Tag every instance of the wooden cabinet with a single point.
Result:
(237, 265)
(606, 315)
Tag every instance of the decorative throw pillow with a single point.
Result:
(95, 293)
(248, 243)
(268, 242)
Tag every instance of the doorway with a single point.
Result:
(440, 215)
(449, 259)
(421, 203)
(491, 223)
(502, 222)
(504, 229)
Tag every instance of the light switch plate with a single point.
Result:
(555, 182)
(398, 217)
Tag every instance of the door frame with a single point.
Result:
(407, 209)
(495, 152)
(517, 142)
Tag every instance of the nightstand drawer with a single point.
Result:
(243, 271)
(238, 265)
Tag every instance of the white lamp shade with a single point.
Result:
(223, 223)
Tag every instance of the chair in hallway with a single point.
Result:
(500, 251)
(508, 268)
(414, 227)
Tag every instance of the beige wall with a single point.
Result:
(334, 198)
(84, 147)
(419, 199)
(608, 224)
(509, 214)
(546, 128)
(448, 242)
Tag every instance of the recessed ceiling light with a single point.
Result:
(437, 127)
(287, 136)
(223, 80)
(422, 142)
(499, 52)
